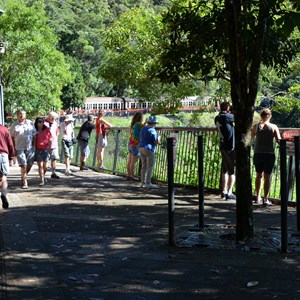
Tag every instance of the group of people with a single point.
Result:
(263, 134)
(142, 144)
(27, 141)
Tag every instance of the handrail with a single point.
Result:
(185, 172)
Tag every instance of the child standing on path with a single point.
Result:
(42, 147)
(134, 154)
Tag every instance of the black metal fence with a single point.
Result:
(186, 166)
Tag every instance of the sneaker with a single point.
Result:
(68, 172)
(4, 201)
(223, 195)
(259, 201)
(102, 168)
(42, 183)
(230, 197)
(53, 175)
(267, 203)
(143, 185)
(151, 186)
(24, 185)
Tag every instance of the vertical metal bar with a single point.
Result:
(200, 181)
(171, 202)
(284, 196)
(116, 151)
(297, 174)
(291, 176)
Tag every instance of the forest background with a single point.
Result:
(58, 53)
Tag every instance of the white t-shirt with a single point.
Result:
(23, 134)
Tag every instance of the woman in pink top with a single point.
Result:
(42, 147)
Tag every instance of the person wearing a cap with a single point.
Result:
(53, 125)
(23, 134)
(67, 129)
(147, 147)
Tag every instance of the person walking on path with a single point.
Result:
(23, 134)
(83, 140)
(101, 137)
(224, 122)
(147, 147)
(42, 147)
(134, 154)
(53, 125)
(67, 129)
(264, 153)
(7, 152)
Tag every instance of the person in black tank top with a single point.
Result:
(264, 156)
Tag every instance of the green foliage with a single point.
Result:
(34, 72)
(286, 112)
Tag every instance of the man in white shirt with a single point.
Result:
(23, 134)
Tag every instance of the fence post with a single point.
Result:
(116, 151)
(297, 175)
(201, 181)
(171, 203)
(283, 196)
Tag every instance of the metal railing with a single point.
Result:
(186, 166)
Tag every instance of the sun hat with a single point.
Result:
(69, 118)
(152, 120)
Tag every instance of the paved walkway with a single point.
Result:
(96, 236)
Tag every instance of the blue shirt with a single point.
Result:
(148, 138)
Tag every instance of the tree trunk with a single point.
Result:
(244, 209)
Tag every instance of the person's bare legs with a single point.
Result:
(231, 181)
(100, 155)
(67, 163)
(24, 176)
(267, 186)
(132, 159)
(225, 177)
(41, 171)
(258, 180)
(129, 172)
(3, 187)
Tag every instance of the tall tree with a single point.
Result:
(34, 71)
(132, 46)
(230, 39)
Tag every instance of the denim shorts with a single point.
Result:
(41, 155)
(4, 164)
(54, 154)
(84, 148)
(25, 157)
(134, 150)
(68, 151)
